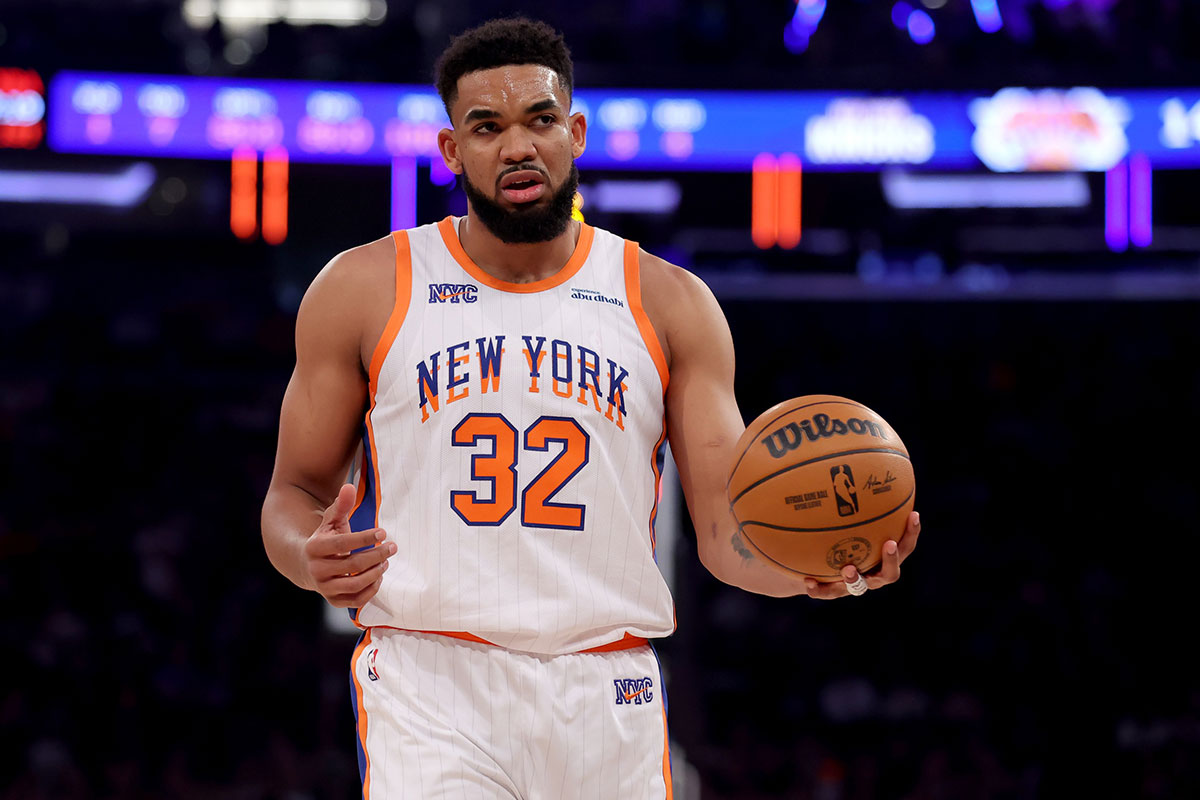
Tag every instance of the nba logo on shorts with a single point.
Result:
(372, 672)
(843, 490)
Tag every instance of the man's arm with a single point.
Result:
(703, 427)
(305, 517)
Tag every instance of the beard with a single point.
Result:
(530, 223)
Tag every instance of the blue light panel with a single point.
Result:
(1011, 130)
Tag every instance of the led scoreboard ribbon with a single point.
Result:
(1011, 130)
(211, 118)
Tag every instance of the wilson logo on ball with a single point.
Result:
(783, 440)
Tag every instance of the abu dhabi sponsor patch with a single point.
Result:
(595, 297)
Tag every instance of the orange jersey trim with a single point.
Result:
(628, 642)
(667, 755)
(390, 331)
(657, 486)
(633, 292)
(582, 248)
(399, 308)
(362, 713)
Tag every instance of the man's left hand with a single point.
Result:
(887, 572)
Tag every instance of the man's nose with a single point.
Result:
(517, 145)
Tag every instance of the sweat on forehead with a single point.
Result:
(503, 43)
(527, 87)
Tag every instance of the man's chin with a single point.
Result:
(538, 220)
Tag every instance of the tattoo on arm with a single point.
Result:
(740, 548)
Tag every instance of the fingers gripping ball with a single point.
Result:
(820, 482)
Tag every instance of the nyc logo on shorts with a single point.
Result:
(453, 293)
(633, 691)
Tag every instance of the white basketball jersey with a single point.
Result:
(513, 450)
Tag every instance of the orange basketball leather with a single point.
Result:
(820, 482)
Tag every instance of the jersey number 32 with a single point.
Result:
(499, 468)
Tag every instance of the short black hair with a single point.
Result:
(498, 43)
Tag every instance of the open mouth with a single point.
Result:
(523, 187)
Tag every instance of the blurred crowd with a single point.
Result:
(1033, 648)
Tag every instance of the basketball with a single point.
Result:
(820, 482)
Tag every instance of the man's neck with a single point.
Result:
(516, 263)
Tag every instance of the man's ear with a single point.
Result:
(578, 126)
(448, 147)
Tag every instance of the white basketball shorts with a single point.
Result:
(440, 717)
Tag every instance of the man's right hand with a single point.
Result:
(346, 566)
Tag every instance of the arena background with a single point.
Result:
(1040, 363)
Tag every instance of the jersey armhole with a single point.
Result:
(399, 309)
(633, 292)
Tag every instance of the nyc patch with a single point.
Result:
(453, 293)
(633, 691)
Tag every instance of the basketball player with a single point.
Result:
(511, 377)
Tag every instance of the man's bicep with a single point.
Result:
(325, 399)
(319, 430)
(704, 422)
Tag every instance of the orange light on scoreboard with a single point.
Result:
(275, 196)
(243, 194)
(775, 201)
(22, 108)
(789, 201)
(764, 216)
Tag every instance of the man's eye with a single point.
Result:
(486, 127)
(546, 119)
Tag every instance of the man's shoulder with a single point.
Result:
(662, 279)
(352, 292)
(361, 260)
(357, 271)
(674, 299)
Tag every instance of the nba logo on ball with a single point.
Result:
(843, 490)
